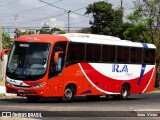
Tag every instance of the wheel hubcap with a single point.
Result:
(124, 92)
(68, 93)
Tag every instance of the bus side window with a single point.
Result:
(133, 55)
(105, 53)
(122, 54)
(146, 55)
(152, 56)
(89, 52)
(139, 55)
(136, 55)
(76, 52)
(97, 53)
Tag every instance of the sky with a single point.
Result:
(30, 13)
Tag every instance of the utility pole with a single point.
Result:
(122, 6)
(121, 3)
(16, 26)
(68, 21)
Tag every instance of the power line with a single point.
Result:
(25, 11)
(53, 5)
(35, 20)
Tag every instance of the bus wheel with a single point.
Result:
(69, 94)
(124, 92)
(33, 98)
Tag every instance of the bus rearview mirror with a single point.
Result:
(3, 52)
(56, 56)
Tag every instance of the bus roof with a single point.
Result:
(41, 38)
(103, 39)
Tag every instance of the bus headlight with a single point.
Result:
(7, 83)
(40, 85)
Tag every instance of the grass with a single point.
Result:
(2, 95)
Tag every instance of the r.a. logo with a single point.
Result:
(118, 68)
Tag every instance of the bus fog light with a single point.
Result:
(40, 85)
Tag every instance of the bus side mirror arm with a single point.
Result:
(2, 53)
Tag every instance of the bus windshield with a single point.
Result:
(28, 60)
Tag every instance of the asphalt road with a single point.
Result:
(135, 107)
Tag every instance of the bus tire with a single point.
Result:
(69, 94)
(33, 98)
(125, 92)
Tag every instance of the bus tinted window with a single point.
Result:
(76, 51)
(149, 56)
(97, 53)
(80, 51)
(152, 55)
(136, 55)
(105, 53)
(72, 51)
(89, 52)
(108, 53)
(122, 54)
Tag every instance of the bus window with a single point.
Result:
(72, 52)
(152, 56)
(122, 54)
(80, 51)
(89, 52)
(111, 53)
(146, 55)
(108, 53)
(105, 53)
(136, 55)
(133, 55)
(149, 56)
(97, 53)
(76, 52)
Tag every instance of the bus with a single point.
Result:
(75, 64)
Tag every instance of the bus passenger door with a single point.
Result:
(56, 67)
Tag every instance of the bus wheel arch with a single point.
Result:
(69, 92)
(124, 92)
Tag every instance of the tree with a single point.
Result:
(6, 40)
(146, 28)
(106, 20)
(146, 23)
(85, 30)
(28, 32)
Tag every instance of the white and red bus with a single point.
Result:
(74, 64)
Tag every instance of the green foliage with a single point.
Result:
(146, 20)
(106, 20)
(6, 40)
(53, 30)
(45, 32)
(28, 32)
(61, 32)
(85, 30)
